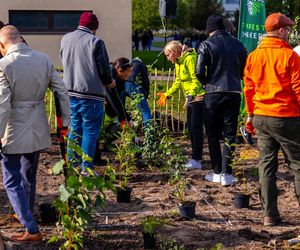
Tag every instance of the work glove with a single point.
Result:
(125, 124)
(249, 125)
(63, 132)
(162, 100)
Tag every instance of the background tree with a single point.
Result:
(145, 15)
(190, 13)
(200, 10)
(181, 20)
(291, 8)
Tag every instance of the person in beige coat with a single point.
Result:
(25, 75)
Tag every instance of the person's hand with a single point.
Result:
(249, 125)
(125, 124)
(162, 100)
(63, 132)
(111, 85)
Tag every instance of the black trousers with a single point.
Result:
(195, 127)
(221, 112)
(274, 133)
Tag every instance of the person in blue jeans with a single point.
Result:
(87, 77)
(138, 83)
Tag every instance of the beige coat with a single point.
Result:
(25, 75)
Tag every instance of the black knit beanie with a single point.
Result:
(213, 23)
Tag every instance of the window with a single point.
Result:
(44, 22)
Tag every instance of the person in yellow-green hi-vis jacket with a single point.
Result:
(185, 59)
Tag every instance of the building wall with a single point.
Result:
(114, 17)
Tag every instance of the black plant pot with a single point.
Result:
(188, 209)
(149, 240)
(48, 213)
(140, 163)
(124, 195)
(241, 200)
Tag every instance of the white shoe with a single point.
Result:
(211, 176)
(227, 179)
(193, 164)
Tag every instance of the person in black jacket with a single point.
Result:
(115, 111)
(138, 83)
(220, 64)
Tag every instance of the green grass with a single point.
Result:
(148, 57)
(159, 44)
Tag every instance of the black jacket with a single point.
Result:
(114, 106)
(225, 59)
(140, 76)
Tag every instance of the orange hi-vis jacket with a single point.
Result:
(272, 80)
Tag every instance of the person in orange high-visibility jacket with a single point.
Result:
(272, 95)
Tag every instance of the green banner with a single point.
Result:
(251, 28)
(251, 22)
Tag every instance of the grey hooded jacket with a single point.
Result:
(25, 75)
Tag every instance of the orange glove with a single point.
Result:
(162, 100)
(125, 124)
(63, 131)
(249, 126)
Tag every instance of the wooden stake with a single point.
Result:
(160, 108)
(168, 80)
(179, 113)
(154, 97)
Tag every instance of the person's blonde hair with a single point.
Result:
(173, 46)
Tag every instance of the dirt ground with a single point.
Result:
(116, 226)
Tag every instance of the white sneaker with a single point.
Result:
(211, 176)
(227, 179)
(193, 164)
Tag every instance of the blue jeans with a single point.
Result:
(19, 179)
(130, 89)
(85, 124)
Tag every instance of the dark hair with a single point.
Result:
(123, 63)
(1, 24)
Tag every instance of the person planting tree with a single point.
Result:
(185, 59)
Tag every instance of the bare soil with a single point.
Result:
(117, 225)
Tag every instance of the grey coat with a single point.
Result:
(25, 75)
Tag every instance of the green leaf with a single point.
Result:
(60, 205)
(53, 239)
(66, 221)
(73, 182)
(99, 200)
(87, 182)
(58, 167)
(64, 194)
(80, 197)
(99, 182)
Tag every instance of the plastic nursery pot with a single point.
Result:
(124, 195)
(241, 200)
(188, 210)
(48, 213)
(149, 240)
(140, 163)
